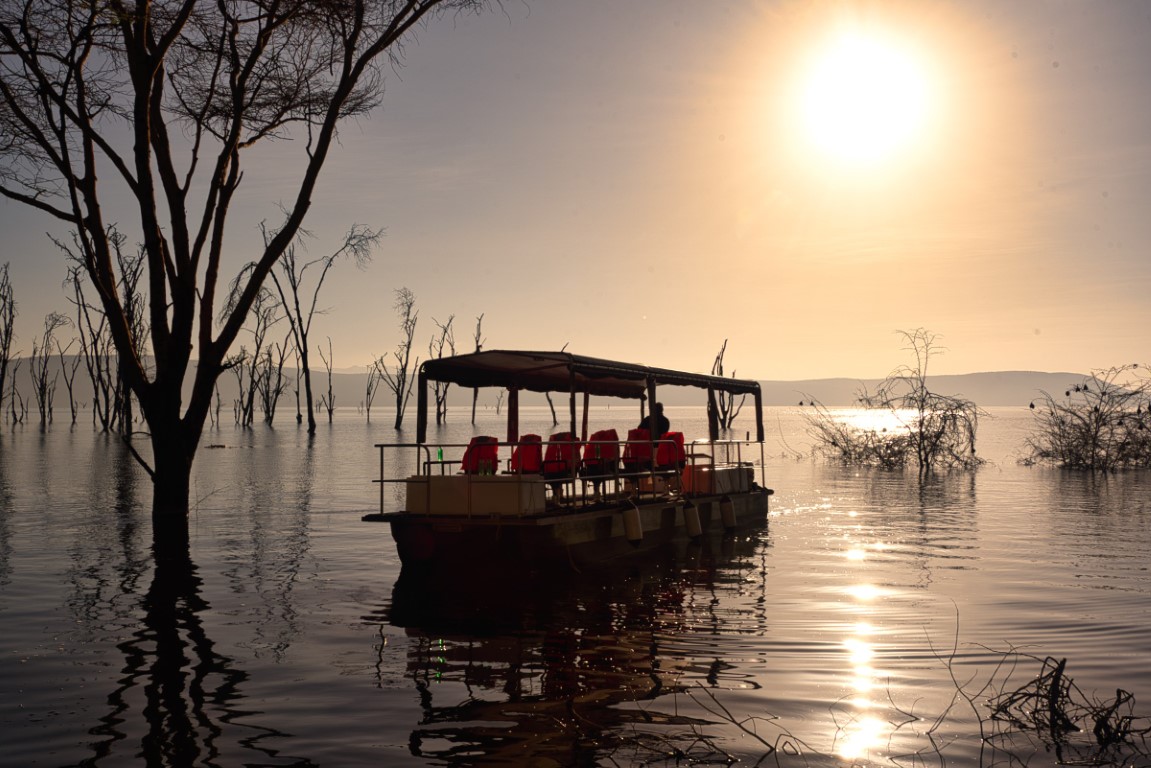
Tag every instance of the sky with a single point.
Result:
(642, 180)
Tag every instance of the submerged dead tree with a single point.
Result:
(157, 103)
(270, 381)
(328, 401)
(238, 364)
(68, 368)
(7, 328)
(1102, 423)
(479, 339)
(289, 279)
(727, 409)
(264, 313)
(371, 386)
(17, 407)
(929, 430)
(445, 340)
(96, 350)
(111, 397)
(1051, 711)
(400, 375)
(39, 366)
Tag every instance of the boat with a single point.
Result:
(573, 498)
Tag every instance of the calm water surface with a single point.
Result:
(840, 632)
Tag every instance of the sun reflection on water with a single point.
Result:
(858, 738)
(865, 593)
(876, 419)
(864, 729)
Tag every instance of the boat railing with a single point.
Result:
(414, 463)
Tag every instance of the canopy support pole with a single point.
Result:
(586, 407)
(513, 415)
(572, 403)
(422, 407)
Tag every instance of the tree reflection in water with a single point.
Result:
(177, 697)
(514, 667)
(5, 531)
(190, 693)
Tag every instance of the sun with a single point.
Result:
(865, 97)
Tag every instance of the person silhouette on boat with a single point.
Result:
(662, 425)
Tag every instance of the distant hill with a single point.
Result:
(986, 389)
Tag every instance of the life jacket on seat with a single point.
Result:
(601, 454)
(670, 453)
(527, 458)
(559, 459)
(637, 452)
(481, 456)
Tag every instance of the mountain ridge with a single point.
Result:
(986, 388)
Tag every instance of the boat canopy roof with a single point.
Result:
(573, 374)
(565, 372)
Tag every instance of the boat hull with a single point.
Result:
(567, 538)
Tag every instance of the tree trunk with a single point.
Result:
(306, 371)
(172, 471)
(174, 440)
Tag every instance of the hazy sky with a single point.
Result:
(641, 179)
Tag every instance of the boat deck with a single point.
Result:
(487, 486)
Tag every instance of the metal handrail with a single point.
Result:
(422, 468)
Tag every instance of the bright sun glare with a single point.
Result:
(865, 98)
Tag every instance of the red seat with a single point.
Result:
(637, 452)
(527, 458)
(601, 453)
(669, 452)
(481, 456)
(559, 459)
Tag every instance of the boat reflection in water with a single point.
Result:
(515, 669)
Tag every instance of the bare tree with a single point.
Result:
(358, 244)
(264, 314)
(551, 407)
(371, 386)
(445, 340)
(18, 409)
(942, 428)
(68, 370)
(94, 349)
(39, 365)
(328, 401)
(399, 377)
(194, 85)
(130, 264)
(726, 407)
(270, 380)
(214, 414)
(1102, 423)
(238, 364)
(548, 396)
(299, 377)
(932, 430)
(111, 399)
(7, 328)
(479, 339)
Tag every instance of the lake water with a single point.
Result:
(865, 625)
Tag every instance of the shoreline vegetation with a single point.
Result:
(1101, 423)
(988, 388)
